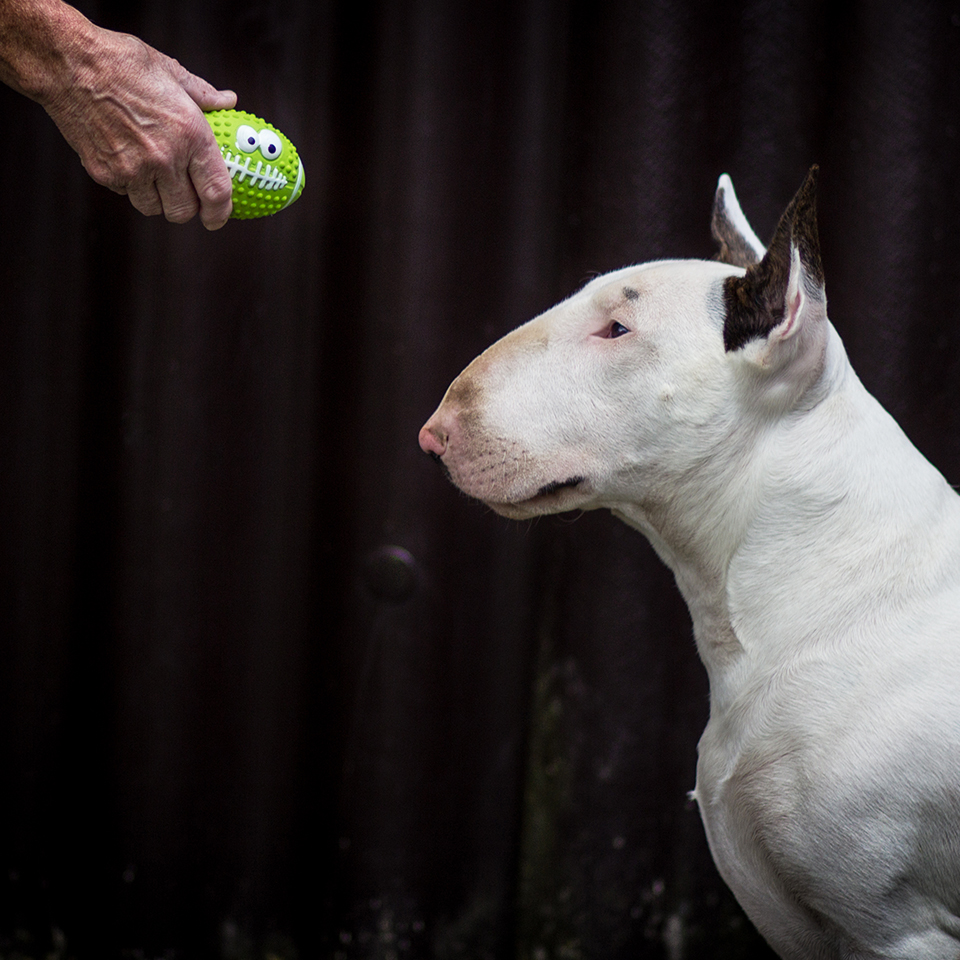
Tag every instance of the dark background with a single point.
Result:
(269, 686)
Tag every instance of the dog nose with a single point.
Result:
(433, 439)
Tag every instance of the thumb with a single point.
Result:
(204, 95)
(212, 99)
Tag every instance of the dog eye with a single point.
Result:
(616, 329)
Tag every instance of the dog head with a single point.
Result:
(645, 378)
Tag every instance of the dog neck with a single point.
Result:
(844, 488)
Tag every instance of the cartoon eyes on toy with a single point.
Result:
(270, 145)
(247, 138)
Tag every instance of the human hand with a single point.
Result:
(135, 117)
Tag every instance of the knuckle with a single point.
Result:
(160, 156)
(102, 175)
(181, 213)
(216, 191)
(125, 170)
(148, 206)
(128, 170)
(111, 172)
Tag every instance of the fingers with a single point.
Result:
(178, 200)
(188, 177)
(214, 190)
(178, 184)
(203, 184)
(195, 178)
(203, 94)
(204, 187)
(207, 97)
(145, 199)
(209, 176)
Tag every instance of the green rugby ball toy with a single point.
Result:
(267, 173)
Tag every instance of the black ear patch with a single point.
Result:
(755, 302)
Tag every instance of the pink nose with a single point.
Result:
(433, 439)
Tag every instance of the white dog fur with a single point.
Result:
(711, 406)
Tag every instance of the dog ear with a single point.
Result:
(739, 245)
(785, 290)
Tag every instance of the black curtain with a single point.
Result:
(269, 686)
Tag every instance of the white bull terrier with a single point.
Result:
(711, 406)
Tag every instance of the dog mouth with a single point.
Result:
(441, 463)
(547, 499)
(548, 489)
(550, 498)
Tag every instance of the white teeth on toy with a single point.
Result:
(266, 178)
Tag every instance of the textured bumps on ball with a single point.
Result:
(267, 173)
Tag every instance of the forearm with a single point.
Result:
(45, 46)
(133, 114)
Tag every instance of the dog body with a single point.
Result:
(711, 406)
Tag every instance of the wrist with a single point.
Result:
(44, 45)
